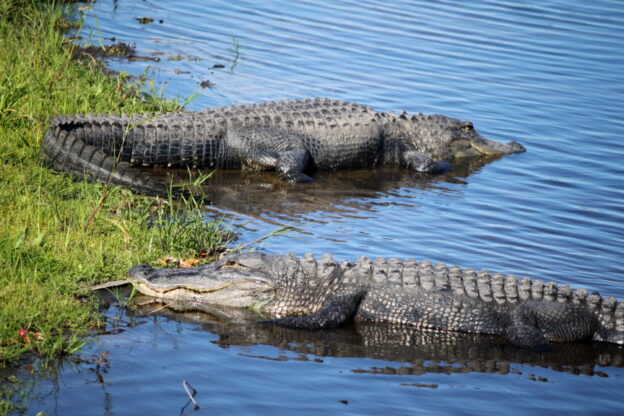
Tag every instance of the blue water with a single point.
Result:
(548, 74)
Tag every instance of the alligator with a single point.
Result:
(294, 138)
(306, 293)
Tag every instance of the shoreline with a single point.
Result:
(59, 234)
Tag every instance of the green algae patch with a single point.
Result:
(60, 235)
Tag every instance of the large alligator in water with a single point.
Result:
(294, 138)
(306, 293)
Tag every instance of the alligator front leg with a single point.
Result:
(534, 324)
(422, 162)
(338, 311)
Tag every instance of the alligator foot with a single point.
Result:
(422, 162)
(291, 163)
(338, 312)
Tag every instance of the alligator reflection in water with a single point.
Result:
(348, 192)
(423, 352)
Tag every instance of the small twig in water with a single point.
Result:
(160, 308)
(191, 392)
(114, 318)
(111, 284)
(279, 231)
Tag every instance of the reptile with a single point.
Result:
(306, 293)
(293, 138)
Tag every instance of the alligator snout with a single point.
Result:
(492, 147)
(142, 271)
(516, 147)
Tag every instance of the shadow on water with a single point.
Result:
(348, 192)
(419, 352)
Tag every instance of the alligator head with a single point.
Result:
(241, 280)
(449, 138)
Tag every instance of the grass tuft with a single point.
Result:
(58, 234)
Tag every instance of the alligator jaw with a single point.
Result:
(210, 284)
(492, 147)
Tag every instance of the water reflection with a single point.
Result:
(419, 352)
(351, 193)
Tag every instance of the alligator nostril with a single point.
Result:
(518, 148)
(140, 270)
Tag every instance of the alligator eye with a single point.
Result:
(467, 126)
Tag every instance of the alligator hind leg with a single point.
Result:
(291, 163)
(534, 324)
(269, 148)
(422, 162)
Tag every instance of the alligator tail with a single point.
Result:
(64, 151)
(109, 148)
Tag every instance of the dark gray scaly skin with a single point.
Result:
(307, 293)
(291, 137)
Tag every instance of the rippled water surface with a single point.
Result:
(548, 74)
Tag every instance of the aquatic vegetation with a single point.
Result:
(236, 49)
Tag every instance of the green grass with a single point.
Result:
(59, 235)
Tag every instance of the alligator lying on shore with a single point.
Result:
(293, 138)
(309, 294)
